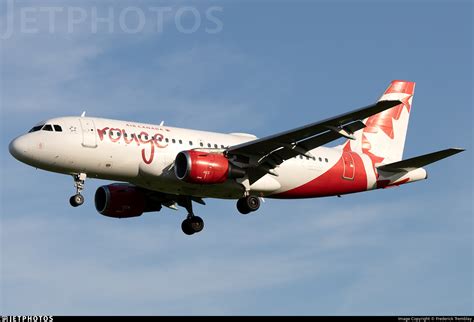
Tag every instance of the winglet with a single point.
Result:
(83, 114)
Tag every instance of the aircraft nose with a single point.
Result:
(19, 149)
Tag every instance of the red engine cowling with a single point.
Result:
(204, 167)
(120, 200)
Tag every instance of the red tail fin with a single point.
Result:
(383, 138)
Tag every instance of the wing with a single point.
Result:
(262, 155)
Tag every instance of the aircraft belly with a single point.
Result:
(167, 184)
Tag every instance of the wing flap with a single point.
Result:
(278, 156)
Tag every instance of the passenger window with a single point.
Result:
(124, 134)
(209, 145)
(180, 142)
(320, 159)
(201, 144)
(57, 128)
(139, 136)
(48, 127)
(326, 160)
(190, 142)
(160, 138)
(216, 146)
(173, 141)
(119, 134)
(222, 146)
(167, 140)
(301, 157)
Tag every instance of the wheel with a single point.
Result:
(248, 204)
(241, 207)
(197, 224)
(186, 227)
(253, 203)
(76, 200)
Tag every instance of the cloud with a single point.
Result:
(77, 71)
(95, 265)
(70, 274)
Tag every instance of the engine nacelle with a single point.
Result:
(120, 200)
(205, 167)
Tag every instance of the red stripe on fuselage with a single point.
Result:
(331, 183)
(386, 183)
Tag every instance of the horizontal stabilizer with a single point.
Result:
(418, 162)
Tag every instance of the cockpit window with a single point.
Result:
(36, 128)
(57, 128)
(47, 127)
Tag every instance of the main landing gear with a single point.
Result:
(192, 224)
(78, 199)
(248, 204)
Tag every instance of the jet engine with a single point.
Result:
(120, 200)
(205, 167)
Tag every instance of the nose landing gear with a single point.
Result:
(78, 198)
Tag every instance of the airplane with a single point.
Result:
(159, 165)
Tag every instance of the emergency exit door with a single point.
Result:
(349, 166)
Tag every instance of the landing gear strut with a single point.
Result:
(248, 204)
(192, 224)
(78, 199)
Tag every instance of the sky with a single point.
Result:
(239, 66)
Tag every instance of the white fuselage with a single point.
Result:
(144, 154)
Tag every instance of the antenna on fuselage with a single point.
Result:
(162, 123)
(83, 114)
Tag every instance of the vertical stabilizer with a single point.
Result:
(383, 138)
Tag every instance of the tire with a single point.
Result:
(252, 203)
(186, 227)
(76, 200)
(196, 223)
(242, 207)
